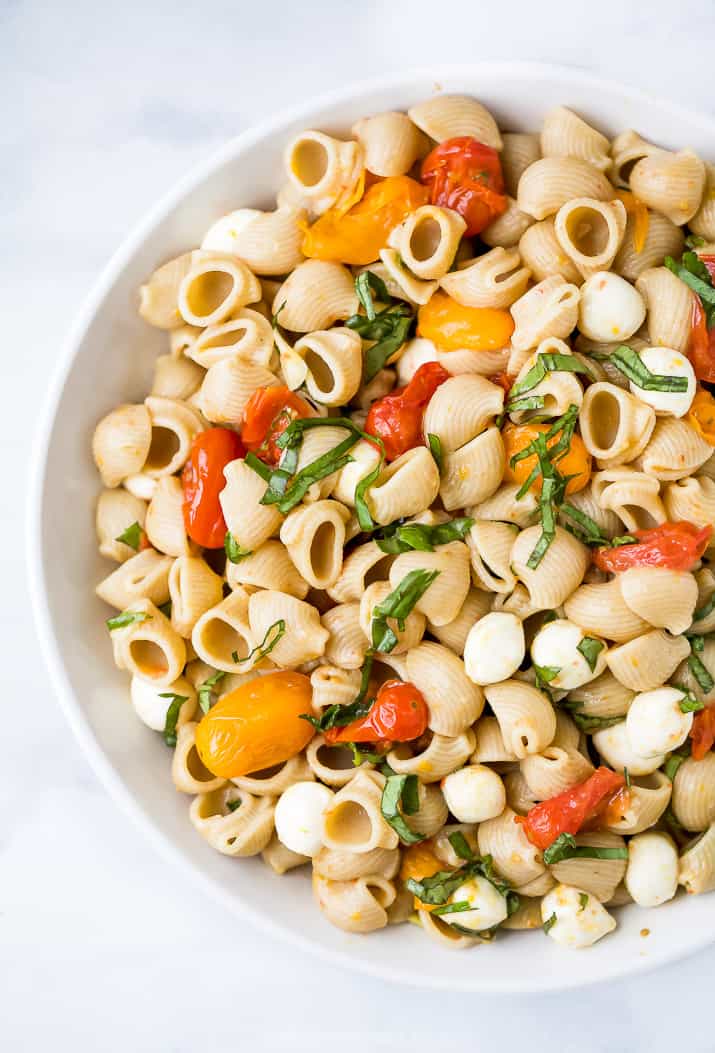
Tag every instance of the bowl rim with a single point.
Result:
(106, 773)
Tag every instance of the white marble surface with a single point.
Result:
(101, 945)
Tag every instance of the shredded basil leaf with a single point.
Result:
(366, 284)
(398, 605)
(565, 847)
(264, 648)
(583, 901)
(453, 908)
(706, 610)
(274, 318)
(406, 537)
(365, 520)
(258, 466)
(590, 724)
(689, 703)
(233, 805)
(360, 756)
(436, 889)
(549, 923)
(205, 691)
(627, 777)
(401, 789)
(695, 274)
(697, 667)
(546, 673)
(165, 609)
(172, 715)
(694, 241)
(337, 716)
(120, 621)
(233, 550)
(435, 448)
(132, 536)
(545, 363)
(591, 648)
(389, 329)
(591, 530)
(674, 761)
(630, 363)
(461, 846)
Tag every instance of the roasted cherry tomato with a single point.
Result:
(677, 546)
(569, 811)
(418, 862)
(641, 218)
(709, 262)
(702, 732)
(203, 480)
(576, 462)
(701, 351)
(452, 327)
(256, 726)
(701, 415)
(356, 236)
(268, 413)
(465, 175)
(397, 418)
(398, 714)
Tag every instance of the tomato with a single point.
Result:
(465, 175)
(418, 862)
(268, 413)
(569, 811)
(256, 726)
(641, 217)
(203, 480)
(709, 262)
(503, 380)
(702, 732)
(397, 418)
(576, 462)
(398, 714)
(452, 327)
(701, 351)
(677, 546)
(701, 415)
(356, 236)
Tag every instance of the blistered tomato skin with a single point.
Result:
(571, 810)
(452, 327)
(397, 418)
(268, 413)
(465, 175)
(203, 480)
(676, 546)
(576, 462)
(256, 726)
(399, 714)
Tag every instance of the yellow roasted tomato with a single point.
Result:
(418, 862)
(256, 726)
(452, 327)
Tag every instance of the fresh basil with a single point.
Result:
(706, 610)
(338, 716)
(460, 845)
(366, 284)
(233, 805)
(274, 318)
(696, 276)
(407, 537)
(689, 703)
(165, 608)
(454, 908)
(172, 715)
(234, 552)
(591, 724)
(583, 901)
(388, 329)
(630, 363)
(546, 673)
(401, 790)
(265, 647)
(545, 364)
(694, 241)
(674, 761)
(258, 466)
(549, 923)
(360, 755)
(529, 402)
(627, 777)
(132, 536)
(697, 667)
(565, 847)
(365, 520)
(398, 605)
(590, 648)
(120, 621)
(591, 530)
(205, 691)
(435, 448)
(436, 889)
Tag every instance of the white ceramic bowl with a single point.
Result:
(108, 359)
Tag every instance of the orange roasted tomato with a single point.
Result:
(256, 726)
(702, 733)
(356, 236)
(641, 219)
(576, 462)
(676, 546)
(701, 415)
(418, 862)
(465, 175)
(452, 327)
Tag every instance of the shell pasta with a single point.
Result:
(411, 538)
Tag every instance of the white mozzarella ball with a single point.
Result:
(299, 816)
(487, 906)
(221, 235)
(495, 648)
(663, 361)
(610, 308)
(575, 918)
(652, 871)
(474, 794)
(148, 705)
(556, 646)
(614, 746)
(416, 353)
(655, 722)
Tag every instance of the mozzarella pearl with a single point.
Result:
(580, 919)
(221, 235)
(148, 706)
(655, 722)
(487, 906)
(495, 648)
(299, 816)
(663, 361)
(610, 308)
(556, 645)
(474, 793)
(652, 871)
(614, 746)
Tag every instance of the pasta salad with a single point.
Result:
(413, 533)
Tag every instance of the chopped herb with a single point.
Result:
(591, 529)
(274, 318)
(360, 756)
(437, 889)
(549, 923)
(389, 329)
(205, 691)
(398, 605)
(546, 673)
(435, 448)
(706, 610)
(365, 520)
(695, 274)
(590, 648)
(165, 609)
(120, 621)
(453, 908)
(565, 847)
(545, 363)
(404, 790)
(461, 846)
(233, 550)
(264, 648)
(689, 703)
(406, 537)
(366, 284)
(132, 536)
(530, 402)
(233, 805)
(627, 777)
(630, 363)
(694, 241)
(258, 466)
(172, 715)
(697, 668)
(590, 724)
(337, 716)
(674, 761)
(583, 901)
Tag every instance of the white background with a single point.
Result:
(104, 105)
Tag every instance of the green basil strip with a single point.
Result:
(590, 527)
(360, 755)
(165, 608)
(205, 691)
(549, 923)
(590, 648)
(673, 763)
(435, 448)
(258, 466)
(634, 368)
(695, 274)
(233, 805)
(689, 703)
(453, 908)
(264, 648)
(401, 789)
(234, 552)
(420, 537)
(172, 715)
(547, 673)
(366, 284)
(377, 356)
(337, 716)
(590, 724)
(694, 241)
(583, 901)
(132, 536)
(706, 610)
(365, 520)
(565, 847)
(460, 845)
(696, 666)
(120, 621)
(398, 605)
(437, 889)
(531, 402)
(548, 363)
